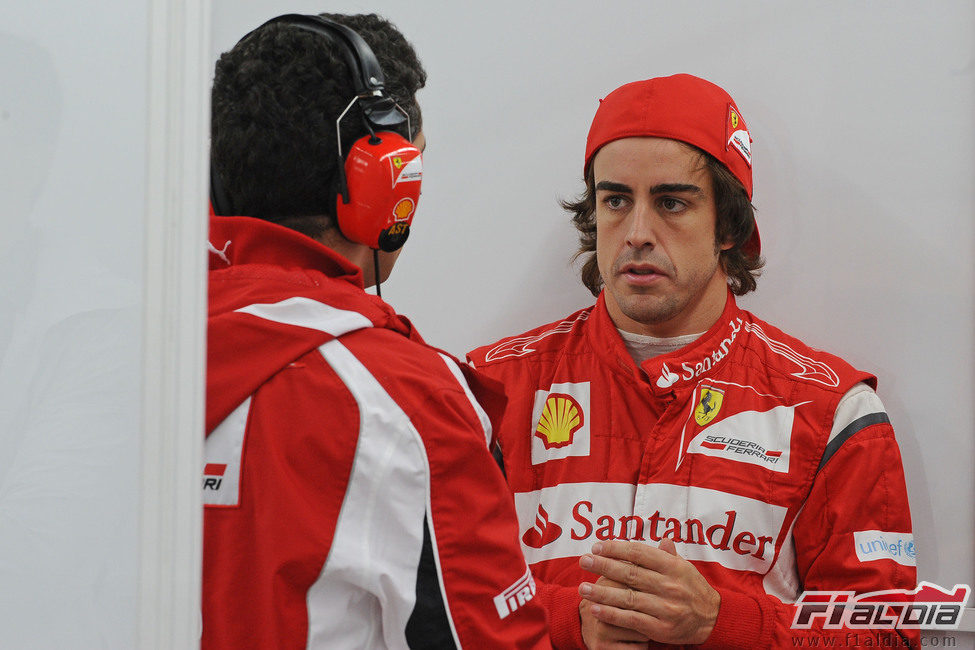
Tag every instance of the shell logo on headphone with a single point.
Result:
(404, 209)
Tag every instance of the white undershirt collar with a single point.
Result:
(642, 347)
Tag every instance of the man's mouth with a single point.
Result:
(641, 273)
(641, 269)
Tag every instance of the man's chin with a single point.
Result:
(647, 311)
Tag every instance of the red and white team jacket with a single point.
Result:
(351, 501)
(771, 465)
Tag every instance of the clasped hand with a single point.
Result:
(645, 593)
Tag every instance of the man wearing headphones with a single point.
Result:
(683, 471)
(350, 498)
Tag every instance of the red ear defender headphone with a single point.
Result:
(379, 180)
(379, 190)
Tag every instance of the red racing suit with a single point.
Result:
(350, 497)
(771, 465)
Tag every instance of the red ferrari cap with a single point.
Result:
(680, 107)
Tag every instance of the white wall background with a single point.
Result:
(102, 298)
(862, 115)
(71, 191)
(863, 119)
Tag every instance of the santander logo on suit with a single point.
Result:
(735, 531)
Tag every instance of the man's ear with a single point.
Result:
(727, 244)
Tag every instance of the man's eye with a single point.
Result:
(614, 202)
(671, 205)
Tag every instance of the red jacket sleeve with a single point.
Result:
(858, 494)
(561, 606)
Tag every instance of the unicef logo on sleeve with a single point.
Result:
(874, 545)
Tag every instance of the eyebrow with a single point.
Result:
(610, 186)
(672, 188)
(662, 188)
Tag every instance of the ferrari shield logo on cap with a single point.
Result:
(737, 135)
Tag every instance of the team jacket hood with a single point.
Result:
(244, 351)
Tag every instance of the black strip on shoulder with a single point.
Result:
(428, 626)
(853, 427)
(499, 458)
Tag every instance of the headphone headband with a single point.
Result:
(381, 111)
(367, 75)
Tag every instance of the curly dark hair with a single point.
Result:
(276, 96)
(736, 221)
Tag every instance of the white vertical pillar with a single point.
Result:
(175, 323)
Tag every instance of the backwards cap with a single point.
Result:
(681, 107)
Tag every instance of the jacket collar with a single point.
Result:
(249, 247)
(247, 240)
(685, 366)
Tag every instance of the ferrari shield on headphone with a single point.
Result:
(378, 183)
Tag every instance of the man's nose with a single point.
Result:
(642, 230)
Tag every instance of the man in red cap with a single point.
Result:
(682, 470)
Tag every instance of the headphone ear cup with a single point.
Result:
(383, 175)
